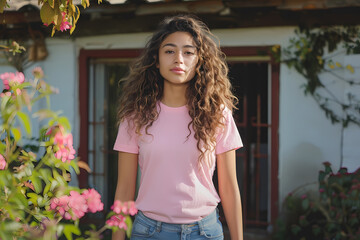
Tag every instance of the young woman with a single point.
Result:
(176, 124)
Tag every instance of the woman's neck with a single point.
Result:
(174, 95)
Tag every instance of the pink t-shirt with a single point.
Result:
(174, 188)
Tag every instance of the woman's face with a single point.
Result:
(177, 58)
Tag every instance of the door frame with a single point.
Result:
(246, 52)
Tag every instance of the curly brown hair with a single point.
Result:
(208, 93)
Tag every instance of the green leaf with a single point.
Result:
(295, 229)
(75, 166)
(60, 179)
(4, 101)
(47, 13)
(19, 200)
(36, 182)
(2, 5)
(128, 222)
(32, 197)
(59, 229)
(51, 3)
(25, 120)
(12, 226)
(322, 176)
(45, 174)
(305, 203)
(69, 230)
(45, 113)
(54, 184)
(2, 146)
(16, 133)
(85, 3)
(47, 188)
(65, 123)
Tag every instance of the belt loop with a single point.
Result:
(201, 227)
(158, 226)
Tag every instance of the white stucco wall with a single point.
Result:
(306, 136)
(61, 71)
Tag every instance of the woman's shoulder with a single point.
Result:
(226, 111)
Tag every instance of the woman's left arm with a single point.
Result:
(229, 193)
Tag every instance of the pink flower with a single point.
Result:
(70, 207)
(119, 207)
(61, 205)
(117, 220)
(116, 207)
(64, 144)
(65, 153)
(125, 208)
(304, 196)
(38, 72)
(65, 25)
(12, 79)
(327, 164)
(343, 195)
(321, 190)
(132, 208)
(77, 203)
(2, 162)
(93, 200)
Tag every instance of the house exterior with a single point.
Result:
(287, 137)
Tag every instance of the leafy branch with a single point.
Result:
(306, 53)
(61, 14)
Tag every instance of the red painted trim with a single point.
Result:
(83, 105)
(84, 57)
(246, 51)
(275, 97)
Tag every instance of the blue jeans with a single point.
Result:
(207, 228)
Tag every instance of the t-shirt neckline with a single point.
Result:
(168, 108)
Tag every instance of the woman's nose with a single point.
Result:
(179, 58)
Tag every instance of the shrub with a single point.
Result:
(332, 214)
(36, 201)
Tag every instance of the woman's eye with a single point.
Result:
(189, 53)
(169, 51)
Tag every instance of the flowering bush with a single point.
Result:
(36, 201)
(332, 214)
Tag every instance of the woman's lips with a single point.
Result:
(178, 70)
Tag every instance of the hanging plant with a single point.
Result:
(60, 14)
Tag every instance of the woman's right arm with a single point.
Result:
(125, 189)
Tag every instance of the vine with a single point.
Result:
(311, 52)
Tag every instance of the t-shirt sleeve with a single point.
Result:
(228, 137)
(127, 139)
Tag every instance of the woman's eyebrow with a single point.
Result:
(174, 45)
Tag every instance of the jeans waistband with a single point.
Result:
(208, 220)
